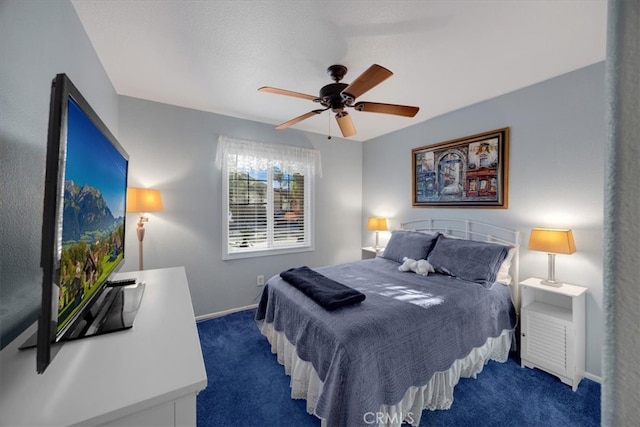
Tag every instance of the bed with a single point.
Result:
(382, 360)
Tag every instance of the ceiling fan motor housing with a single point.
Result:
(331, 96)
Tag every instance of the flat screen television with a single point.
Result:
(83, 228)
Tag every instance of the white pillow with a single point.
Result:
(503, 275)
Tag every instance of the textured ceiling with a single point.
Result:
(213, 55)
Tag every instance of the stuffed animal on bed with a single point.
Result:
(421, 266)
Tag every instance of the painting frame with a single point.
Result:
(467, 172)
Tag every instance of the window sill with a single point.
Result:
(266, 252)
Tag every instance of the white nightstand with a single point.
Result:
(553, 329)
(370, 252)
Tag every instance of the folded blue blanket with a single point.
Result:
(326, 292)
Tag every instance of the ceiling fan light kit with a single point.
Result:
(338, 96)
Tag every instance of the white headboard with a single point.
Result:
(476, 230)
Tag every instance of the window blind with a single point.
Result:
(267, 196)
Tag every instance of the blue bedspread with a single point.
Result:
(408, 328)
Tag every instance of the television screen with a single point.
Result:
(95, 185)
(83, 230)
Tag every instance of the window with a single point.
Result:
(267, 196)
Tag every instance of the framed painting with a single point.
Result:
(467, 172)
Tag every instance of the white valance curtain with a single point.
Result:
(259, 156)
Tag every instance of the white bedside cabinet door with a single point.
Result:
(545, 342)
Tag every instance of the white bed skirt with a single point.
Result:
(436, 394)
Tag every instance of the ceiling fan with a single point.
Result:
(338, 96)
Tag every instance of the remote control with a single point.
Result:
(121, 282)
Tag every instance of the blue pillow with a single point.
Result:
(410, 244)
(469, 260)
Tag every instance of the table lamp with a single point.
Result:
(552, 241)
(143, 200)
(377, 224)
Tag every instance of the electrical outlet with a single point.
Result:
(260, 280)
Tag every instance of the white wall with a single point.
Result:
(556, 176)
(173, 149)
(38, 39)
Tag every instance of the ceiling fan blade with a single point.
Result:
(298, 119)
(346, 125)
(286, 92)
(378, 107)
(366, 81)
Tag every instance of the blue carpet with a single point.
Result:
(248, 387)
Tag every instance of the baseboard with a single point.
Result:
(592, 377)
(225, 312)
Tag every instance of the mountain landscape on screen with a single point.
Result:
(85, 212)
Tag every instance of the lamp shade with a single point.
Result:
(551, 240)
(377, 224)
(143, 200)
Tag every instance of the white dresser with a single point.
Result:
(148, 375)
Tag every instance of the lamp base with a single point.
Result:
(140, 232)
(551, 276)
(551, 283)
(376, 247)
